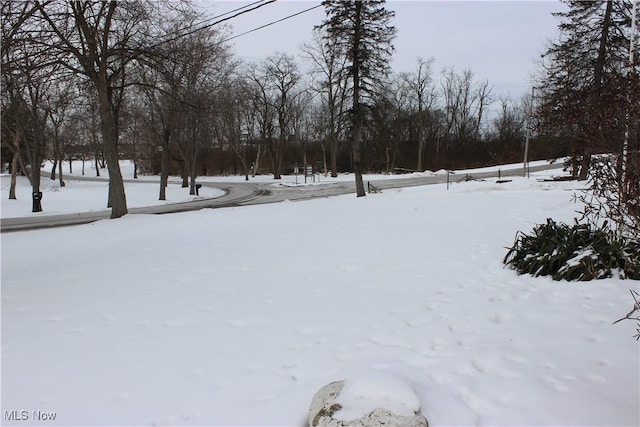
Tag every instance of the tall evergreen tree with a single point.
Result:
(582, 95)
(364, 34)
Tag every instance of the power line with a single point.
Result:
(204, 21)
(233, 10)
(270, 23)
(204, 27)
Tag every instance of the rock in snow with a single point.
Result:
(374, 399)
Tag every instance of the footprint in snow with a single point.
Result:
(516, 359)
(592, 338)
(173, 323)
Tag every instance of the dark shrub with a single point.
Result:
(577, 252)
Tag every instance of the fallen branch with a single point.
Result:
(372, 188)
(636, 307)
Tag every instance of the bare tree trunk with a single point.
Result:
(334, 157)
(185, 173)
(324, 159)
(164, 175)
(109, 197)
(585, 162)
(357, 109)
(357, 163)
(245, 167)
(94, 140)
(421, 133)
(23, 168)
(62, 184)
(192, 171)
(277, 163)
(192, 175)
(257, 162)
(388, 162)
(394, 158)
(35, 188)
(14, 166)
(109, 129)
(135, 156)
(164, 164)
(275, 152)
(15, 161)
(35, 159)
(53, 169)
(59, 156)
(241, 154)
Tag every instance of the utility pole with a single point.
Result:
(528, 137)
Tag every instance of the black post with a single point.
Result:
(37, 198)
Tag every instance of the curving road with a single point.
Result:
(248, 193)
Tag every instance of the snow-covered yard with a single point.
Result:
(238, 316)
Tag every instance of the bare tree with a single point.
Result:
(390, 122)
(76, 133)
(28, 78)
(57, 103)
(509, 127)
(465, 101)
(37, 86)
(162, 83)
(273, 87)
(283, 77)
(15, 16)
(184, 73)
(484, 96)
(329, 64)
(422, 93)
(100, 40)
(301, 121)
(264, 111)
(233, 124)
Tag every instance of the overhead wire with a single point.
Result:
(271, 23)
(258, 5)
(211, 18)
(230, 11)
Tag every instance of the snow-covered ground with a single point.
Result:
(91, 195)
(238, 316)
(88, 196)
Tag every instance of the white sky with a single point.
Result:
(497, 40)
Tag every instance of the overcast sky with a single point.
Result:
(498, 40)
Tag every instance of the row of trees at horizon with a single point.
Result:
(156, 83)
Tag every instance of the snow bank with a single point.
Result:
(377, 389)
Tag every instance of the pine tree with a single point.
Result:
(582, 95)
(591, 95)
(363, 33)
